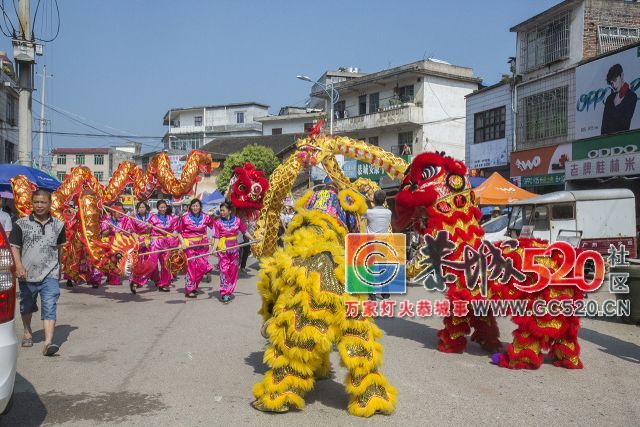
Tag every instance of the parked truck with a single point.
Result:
(594, 219)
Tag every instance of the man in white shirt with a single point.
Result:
(378, 221)
(378, 218)
(5, 219)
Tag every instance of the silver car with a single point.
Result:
(8, 340)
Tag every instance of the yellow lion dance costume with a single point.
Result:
(303, 305)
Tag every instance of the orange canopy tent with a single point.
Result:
(498, 191)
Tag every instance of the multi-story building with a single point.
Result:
(102, 161)
(489, 129)
(191, 128)
(8, 111)
(551, 46)
(328, 78)
(407, 109)
(290, 120)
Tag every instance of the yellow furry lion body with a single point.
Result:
(303, 305)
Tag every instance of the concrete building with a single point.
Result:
(8, 111)
(342, 74)
(191, 128)
(489, 129)
(414, 107)
(102, 161)
(290, 120)
(550, 47)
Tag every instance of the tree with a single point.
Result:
(261, 157)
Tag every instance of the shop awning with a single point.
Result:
(498, 191)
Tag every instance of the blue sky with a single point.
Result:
(121, 64)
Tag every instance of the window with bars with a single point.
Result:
(545, 114)
(61, 159)
(60, 176)
(240, 117)
(612, 38)
(79, 159)
(276, 131)
(98, 159)
(373, 140)
(405, 142)
(362, 104)
(545, 44)
(405, 93)
(186, 143)
(197, 121)
(308, 127)
(10, 112)
(99, 175)
(489, 125)
(9, 152)
(339, 109)
(374, 102)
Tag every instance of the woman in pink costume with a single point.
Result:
(225, 232)
(139, 224)
(169, 223)
(111, 224)
(193, 228)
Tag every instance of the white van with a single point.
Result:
(598, 217)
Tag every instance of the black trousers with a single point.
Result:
(244, 255)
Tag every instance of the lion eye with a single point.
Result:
(241, 187)
(429, 172)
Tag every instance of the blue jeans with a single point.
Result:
(49, 290)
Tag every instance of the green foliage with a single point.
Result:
(261, 157)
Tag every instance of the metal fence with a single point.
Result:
(612, 38)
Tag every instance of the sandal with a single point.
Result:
(27, 342)
(50, 349)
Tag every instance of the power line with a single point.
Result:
(5, 17)
(104, 132)
(100, 135)
(58, 26)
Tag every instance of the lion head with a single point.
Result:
(248, 187)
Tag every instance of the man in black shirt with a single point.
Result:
(619, 105)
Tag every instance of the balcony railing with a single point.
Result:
(393, 115)
(235, 127)
(187, 129)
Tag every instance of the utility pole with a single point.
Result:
(24, 54)
(42, 120)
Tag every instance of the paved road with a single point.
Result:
(156, 359)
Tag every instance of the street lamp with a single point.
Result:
(334, 96)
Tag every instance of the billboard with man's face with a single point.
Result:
(607, 94)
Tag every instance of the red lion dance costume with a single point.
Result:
(435, 195)
(247, 188)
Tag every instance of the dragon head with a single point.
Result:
(248, 187)
(125, 254)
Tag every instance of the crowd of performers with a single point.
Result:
(162, 231)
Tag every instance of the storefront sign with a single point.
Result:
(540, 166)
(348, 168)
(540, 180)
(627, 164)
(488, 154)
(365, 170)
(614, 145)
(600, 108)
